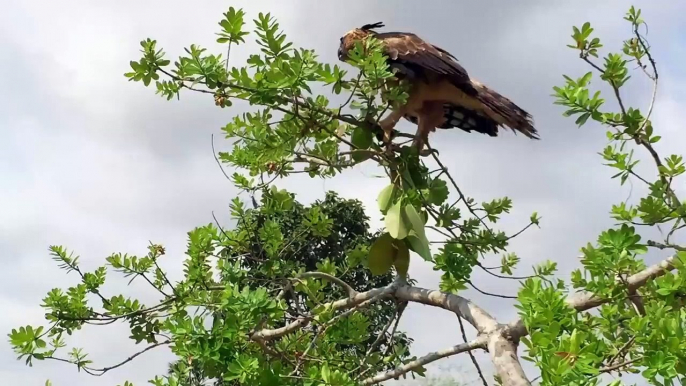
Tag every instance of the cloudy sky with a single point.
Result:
(101, 165)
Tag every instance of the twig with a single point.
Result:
(654, 78)
(379, 338)
(153, 285)
(520, 231)
(114, 318)
(585, 59)
(101, 371)
(657, 245)
(488, 271)
(325, 276)
(621, 350)
(352, 93)
(330, 323)
(457, 188)
(228, 55)
(389, 345)
(471, 355)
(618, 366)
(490, 294)
(214, 153)
(401, 309)
(438, 230)
(166, 279)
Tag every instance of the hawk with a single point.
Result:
(441, 93)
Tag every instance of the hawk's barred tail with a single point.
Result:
(508, 113)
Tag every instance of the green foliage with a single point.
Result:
(284, 264)
(637, 330)
(232, 27)
(296, 127)
(293, 131)
(280, 237)
(387, 252)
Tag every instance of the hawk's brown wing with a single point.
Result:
(415, 58)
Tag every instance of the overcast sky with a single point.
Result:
(100, 165)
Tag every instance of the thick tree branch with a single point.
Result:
(503, 351)
(475, 315)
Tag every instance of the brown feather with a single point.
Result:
(512, 115)
(455, 116)
(415, 54)
(439, 82)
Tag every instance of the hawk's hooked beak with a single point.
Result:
(340, 53)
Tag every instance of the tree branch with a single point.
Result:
(471, 355)
(475, 315)
(657, 245)
(268, 334)
(478, 343)
(101, 371)
(325, 276)
(583, 301)
(503, 351)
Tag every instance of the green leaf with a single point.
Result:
(417, 236)
(362, 138)
(419, 245)
(402, 259)
(574, 342)
(582, 119)
(381, 255)
(415, 221)
(360, 155)
(385, 198)
(534, 218)
(395, 222)
(326, 373)
(438, 192)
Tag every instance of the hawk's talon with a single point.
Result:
(428, 152)
(378, 130)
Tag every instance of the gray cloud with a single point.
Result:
(102, 165)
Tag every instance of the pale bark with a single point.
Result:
(464, 308)
(500, 340)
(503, 351)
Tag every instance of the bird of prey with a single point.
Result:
(441, 93)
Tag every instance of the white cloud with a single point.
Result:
(102, 165)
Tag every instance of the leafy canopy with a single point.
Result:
(296, 295)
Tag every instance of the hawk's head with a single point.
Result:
(348, 40)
